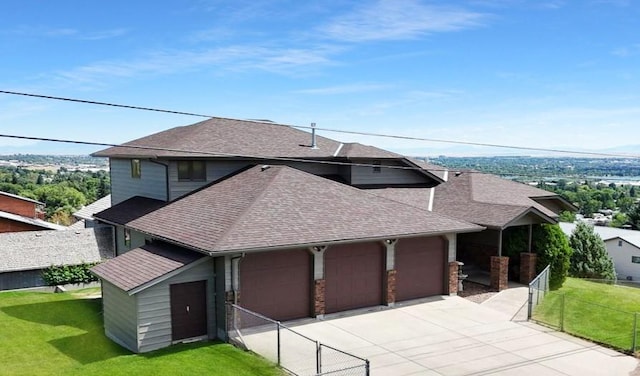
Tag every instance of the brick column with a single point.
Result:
(318, 297)
(527, 267)
(499, 272)
(453, 277)
(391, 288)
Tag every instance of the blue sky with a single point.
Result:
(550, 74)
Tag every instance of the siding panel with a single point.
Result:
(365, 176)
(152, 182)
(215, 171)
(119, 316)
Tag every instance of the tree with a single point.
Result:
(552, 247)
(634, 216)
(590, 258)
(567, 216)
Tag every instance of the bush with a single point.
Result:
(65, 274)
(553, 249)
(590, 258)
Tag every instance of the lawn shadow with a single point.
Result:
(83, 314)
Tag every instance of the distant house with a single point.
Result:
(623, 246)
(23, 255)
(85, 214)
(19, 213)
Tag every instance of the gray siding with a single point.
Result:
(21, 279)
(119, 311)
(315, 168)
(152, 182)
(361, 175)
(215, 171)
(137, 240)
(154, 307)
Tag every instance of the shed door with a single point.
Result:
(420, 266)
(277, 284)
(353, 276)
(188, 310)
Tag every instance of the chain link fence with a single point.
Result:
(538, 289)
(586, 319)
(295, 352)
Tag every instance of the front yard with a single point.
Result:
(607, 314)
(55, 334)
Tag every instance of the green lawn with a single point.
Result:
(62, 334)
(600, 312)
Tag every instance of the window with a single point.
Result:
(127, 237)
(376, 168)
(619, 243)
(136, 169)
(635, 259)
(192, 171)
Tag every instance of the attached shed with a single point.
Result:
(23, 255)
(157, 295)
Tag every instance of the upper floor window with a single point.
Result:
(136, 169)
(635, 259)
(619, 243)
(192, 171)
(127, 237)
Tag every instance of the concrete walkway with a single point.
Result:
(513, 302)
(450, 336)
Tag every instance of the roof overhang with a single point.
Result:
(532, 212)
(563, 203)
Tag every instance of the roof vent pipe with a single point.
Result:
(313, 136)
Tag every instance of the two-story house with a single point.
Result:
(267, 216)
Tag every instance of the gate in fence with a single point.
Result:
(295, 352)
(538, 288)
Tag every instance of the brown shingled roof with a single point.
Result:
(278, 207)
(145, 264)
(129, 210)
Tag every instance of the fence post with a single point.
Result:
(562, 313)
(530, 307)
(635, 333)
(278, 326)
(318, 358)
(366, 367)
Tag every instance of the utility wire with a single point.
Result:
(562, 151)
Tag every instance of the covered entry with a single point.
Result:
(188, 310)
(420, 264)
(277, 284)
(353, 274)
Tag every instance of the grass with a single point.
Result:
(599, 312)
(62, 334)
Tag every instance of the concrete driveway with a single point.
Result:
(453, 336)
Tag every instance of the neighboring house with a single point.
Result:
(623, 246)
(23, 255)
(492, 202)
(19, 213)
(84, 216)
(254, 213)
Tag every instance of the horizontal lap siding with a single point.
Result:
(215, 171)
(151, 184)
(119, 310)
(154, 307)
(361, 175)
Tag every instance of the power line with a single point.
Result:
(469, 143)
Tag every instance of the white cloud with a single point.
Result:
(399, 20)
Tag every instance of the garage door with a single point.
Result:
(353, 276)
(420, 267)
(277, 284)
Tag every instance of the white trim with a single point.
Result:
(445, 175)
(338, 150)
(431, 195)
(164, 277)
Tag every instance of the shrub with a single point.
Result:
(64, 274)
(590, 258)
(553, 249)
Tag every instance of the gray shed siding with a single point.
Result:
(119, 311)
(154, 307)
(137, 239)
(361, 175)
(215, 170)
(21, 279)
(152, 182)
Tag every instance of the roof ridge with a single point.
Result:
(264, 187)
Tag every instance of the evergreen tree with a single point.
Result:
(552, 247)
(590, 258)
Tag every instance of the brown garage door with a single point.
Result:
(420, 265)
(277, 284)
(188, 309)
(353, 276)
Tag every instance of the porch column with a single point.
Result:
(453, 277)
(390, 280)
(528, 262)
(499, 272)
(530, 237)
(318, 280)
